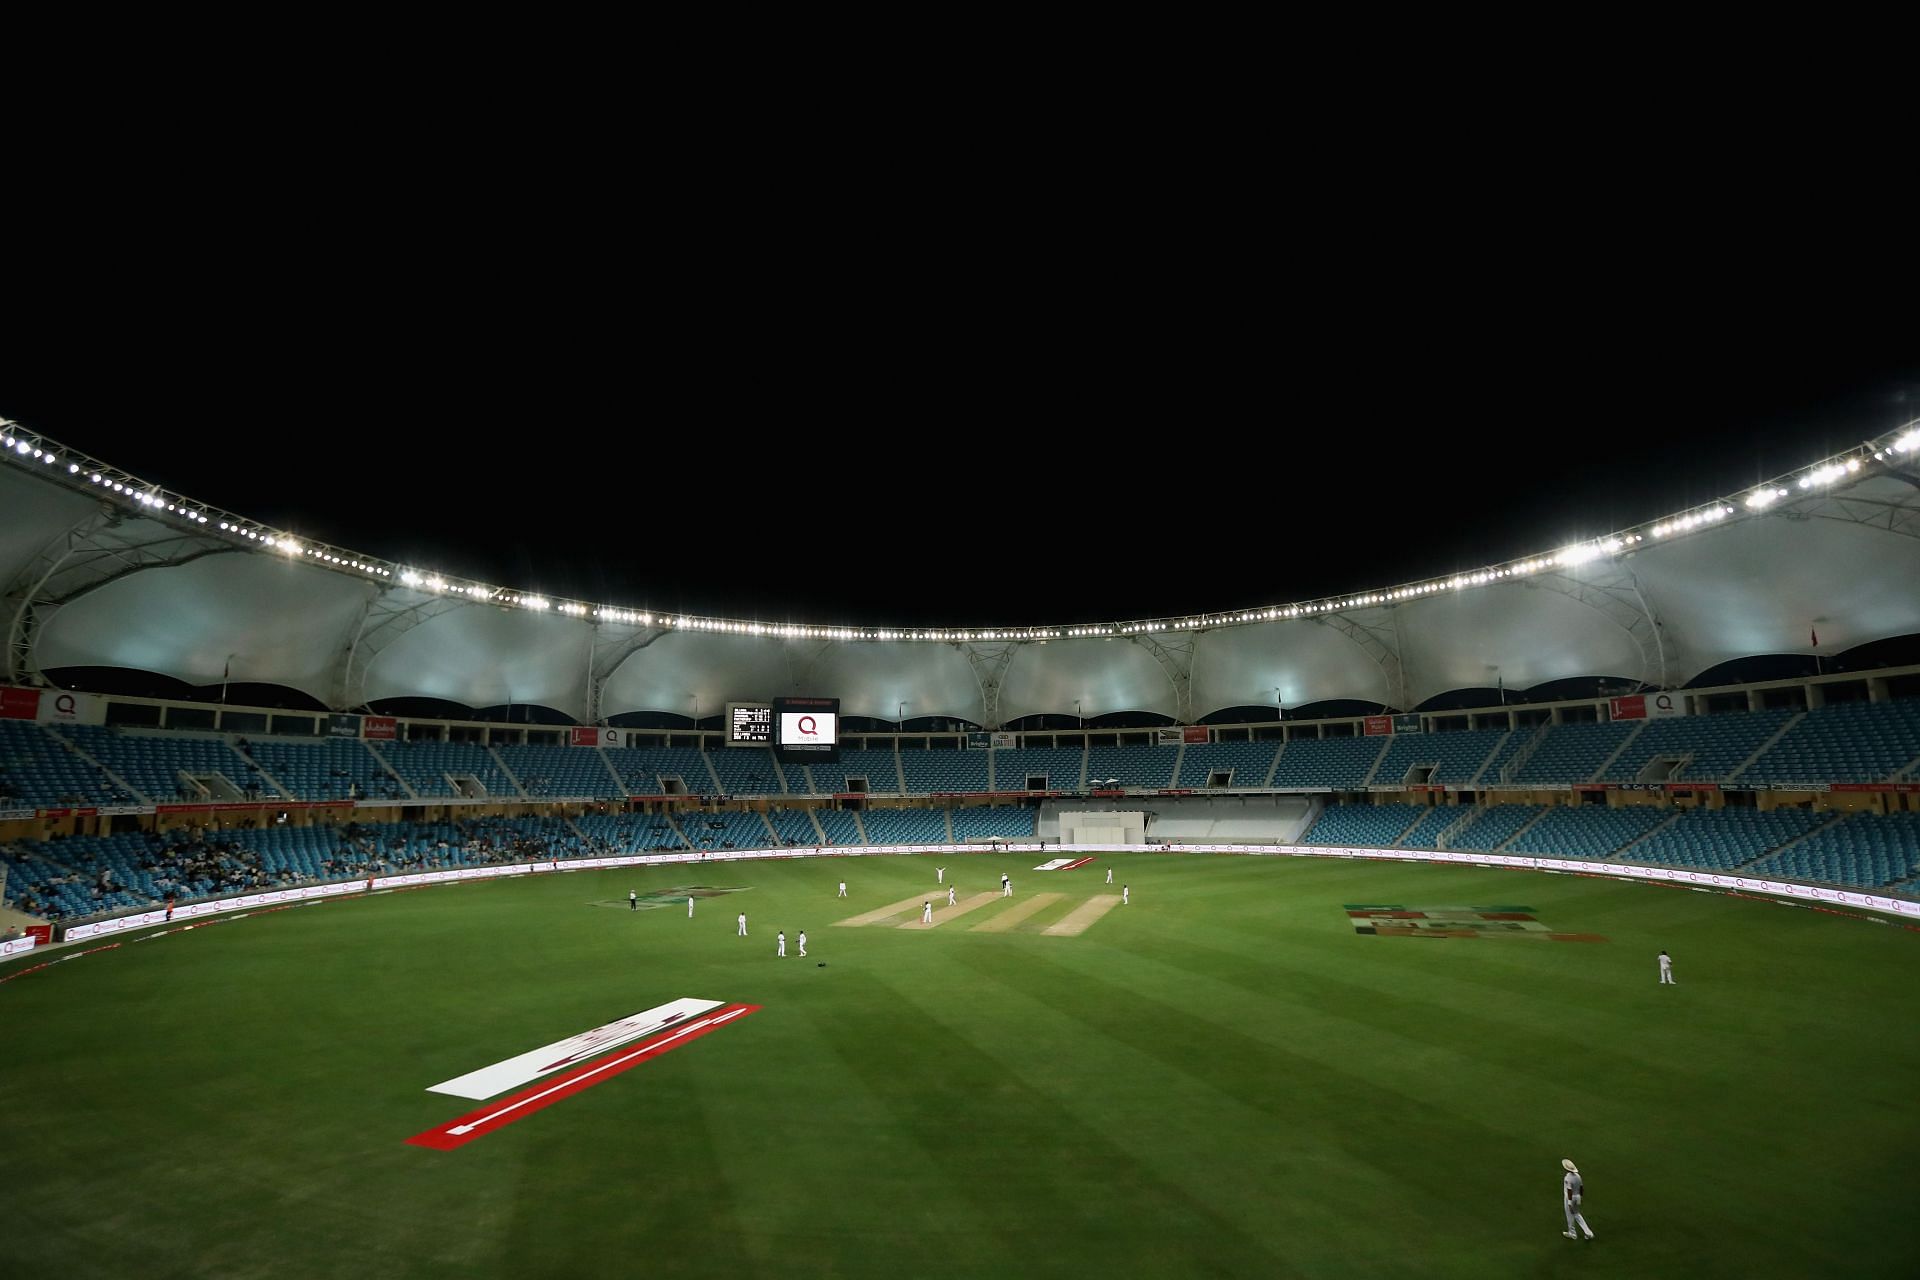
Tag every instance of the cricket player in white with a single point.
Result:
(950, 895)
(939, 875)
(1124, 890)
(926, 913)
(743, 924)
(843, 888)
(689, 906)
(1006, 886)
(782, 943)
(1109, 875)
(1570, 1187)
(1666, 970)
(803, 942)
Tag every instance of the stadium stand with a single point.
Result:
(617, 832)
(1247, 763)
(842, 827)
(1494, 826)
(928, 772)
(1722, 839)
(152, 763)
(324, 768)
(1426, 832)
(1062, 767)
(560, 771)
(1855, 742)
(995, 821)
(61, 879)
(793, 826)
(644, 771)
(906, 826)
(877, 767)
(37, 769)
(1510, 746)
(1712, 747)
(1457, 756)
(1150, 766)
(1337, 763)
(1587, 831)
(1362, 825)
(426, 767)
(1573, 752)
(725, 830)
(745, 771)
(1864, 851)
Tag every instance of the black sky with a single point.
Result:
(1021, 427)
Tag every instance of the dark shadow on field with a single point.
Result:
(1043, 1220)
(648, 1199)
(1290, 1089)
(1514, 1044)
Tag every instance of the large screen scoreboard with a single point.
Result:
(749, 724)
(807, 730)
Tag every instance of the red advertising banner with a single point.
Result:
(44, 932)
(1643, 706)
(384, 727)
(1195, 733)
(1379, 725)
(586, 737)
(19, 704)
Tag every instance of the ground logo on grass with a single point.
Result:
(1456, 922)
(583, 1060)
(654, 899)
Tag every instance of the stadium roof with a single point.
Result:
(106, 570)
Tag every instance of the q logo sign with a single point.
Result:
(64, 705)
(1664, 702)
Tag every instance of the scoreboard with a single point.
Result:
(807, 730)
(749, 724)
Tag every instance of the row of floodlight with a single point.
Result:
(1826, 474)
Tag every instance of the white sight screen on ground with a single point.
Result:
(807, 728)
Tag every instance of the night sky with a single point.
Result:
(959, 445)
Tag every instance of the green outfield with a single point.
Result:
(1221, 1078)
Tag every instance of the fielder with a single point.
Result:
(1123, 895)
(1570, 1187)
(689, 906)
(803, 942)
(1666, 970)
(743, 924)
(1109, 875)
(843, 888)
(939, 875)
(926, 913)
(781, 944)
(949, 895)
(633, 900)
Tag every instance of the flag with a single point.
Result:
(1816, 637)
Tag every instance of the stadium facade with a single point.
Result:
(106, 571)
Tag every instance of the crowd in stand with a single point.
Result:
(201, 862)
